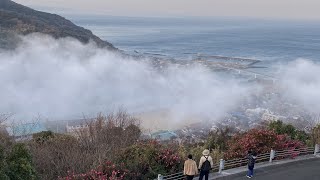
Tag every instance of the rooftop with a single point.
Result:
(164, 135)
(26, 129)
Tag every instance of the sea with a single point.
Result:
(270, 41)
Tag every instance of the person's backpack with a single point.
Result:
(206, 166)
(251, 160)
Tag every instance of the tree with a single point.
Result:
(20, 163)
(132, 133)
(303, 137)
(281, 128)
(43, 136)
(217, 139)
(5, 140)
(147, 159)
(315, 135)
(142, 160)
(99, 140)
(3, 165)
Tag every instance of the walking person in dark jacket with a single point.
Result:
(251, 161)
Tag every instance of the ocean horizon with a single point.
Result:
(270, 41)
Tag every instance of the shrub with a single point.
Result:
(106, 171)
(280, 128)
(3, 166)
(55, 154)
(43, 136)
(143, 160)
(315, 135)
(147, 159)
(218, 139)
(260, 141)
(20, 163)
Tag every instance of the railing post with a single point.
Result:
(272, 154)
(221, 165)
(316, 149)
(160, 177)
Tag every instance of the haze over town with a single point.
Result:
(64, 79)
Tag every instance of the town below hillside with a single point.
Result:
(114, 146)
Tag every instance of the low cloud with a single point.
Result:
(64, 79)
(300, 81)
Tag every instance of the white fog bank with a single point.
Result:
(64, 79)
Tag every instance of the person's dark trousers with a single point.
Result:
(205, 174)
(250, 170)
(189, 177)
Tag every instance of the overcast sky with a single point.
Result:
(280, 9)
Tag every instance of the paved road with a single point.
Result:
(301, 170)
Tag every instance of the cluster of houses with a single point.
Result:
(26, 131)
(268, 107)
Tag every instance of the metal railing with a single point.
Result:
(180, 175)
(234, 163)
(177, 176)
(228, 164)
(292, 153)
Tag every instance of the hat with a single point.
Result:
(205, 152)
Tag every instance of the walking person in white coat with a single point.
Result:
(205, 165)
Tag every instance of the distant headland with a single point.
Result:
(16, 19)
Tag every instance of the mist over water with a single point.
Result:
(64, 79)
(301, 84)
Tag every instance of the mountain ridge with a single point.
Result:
(16, 19)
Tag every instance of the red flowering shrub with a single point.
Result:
(143, 160)
(284, 142)
(169, 159)
(259, 140)
(107, 171)
(151, 158)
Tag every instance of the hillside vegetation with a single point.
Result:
(113, 149)
(19, 19)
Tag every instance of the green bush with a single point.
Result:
(43, 136)
(3, 166)
(19, 163)
(281, 128)
(147, 159)
(218, 139)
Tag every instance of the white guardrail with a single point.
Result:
(234, 163)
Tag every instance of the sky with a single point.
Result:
(273, 9)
